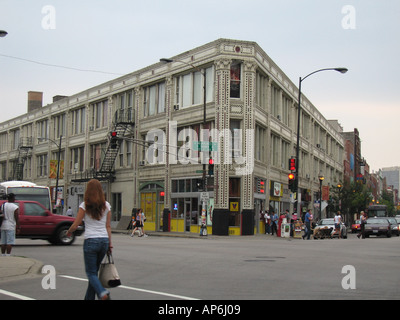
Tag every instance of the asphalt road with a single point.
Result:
(223, 268)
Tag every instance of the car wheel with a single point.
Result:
(62, 238)
(389, 234)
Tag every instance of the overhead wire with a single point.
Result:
(58, 66)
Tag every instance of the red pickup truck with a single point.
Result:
(37, 222)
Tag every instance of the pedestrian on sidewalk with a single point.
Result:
(97, 214)
(138, 223)
(10, 225)
(267, 219)
(337, 220)
(363, 221)
(69, 212)
(307, 220)
(274, 221)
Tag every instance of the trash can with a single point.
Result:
(285, 230)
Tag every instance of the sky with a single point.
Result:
(93, 41)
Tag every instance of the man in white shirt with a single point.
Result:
(9, 212)
(267, 219)
(69, 212)
(337, 220)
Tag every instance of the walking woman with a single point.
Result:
(97, 214)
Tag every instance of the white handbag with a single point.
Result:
(108, 273)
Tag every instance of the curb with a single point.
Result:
(17, 268)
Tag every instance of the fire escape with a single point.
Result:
(25, 145)
(122, 126)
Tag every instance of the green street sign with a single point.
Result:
(205, 146)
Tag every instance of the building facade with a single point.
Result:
(226, 100)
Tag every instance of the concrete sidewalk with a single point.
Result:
(209, 236)
(17, 268)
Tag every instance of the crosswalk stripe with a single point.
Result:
(138, 289)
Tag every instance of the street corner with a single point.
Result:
(17, 268)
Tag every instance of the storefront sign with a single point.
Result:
(234, 206)
(276, 189)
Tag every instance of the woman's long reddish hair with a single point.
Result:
(95, 202)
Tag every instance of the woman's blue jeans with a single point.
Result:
(94, 250)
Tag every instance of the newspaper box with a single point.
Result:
(297, 229)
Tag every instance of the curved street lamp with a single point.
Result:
(341, 70)
(3, 33)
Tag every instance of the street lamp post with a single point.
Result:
(58, 161)
(321, 178)
(341, 70)
(3, 33)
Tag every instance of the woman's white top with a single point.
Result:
(96, 228)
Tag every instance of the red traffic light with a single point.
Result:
(210, 161)
(292, 164)
(114, 134)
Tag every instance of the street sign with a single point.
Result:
(204, 197)
(205, 146)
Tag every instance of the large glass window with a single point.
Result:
(42, 165)
(236, 139)
(78, 120)
(190, 88)
(235, 79)
(154, 99)
(99, 112)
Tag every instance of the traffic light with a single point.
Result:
(113, 141)
(200, 184)
(210, 167)
(292, 182)
(292, 164)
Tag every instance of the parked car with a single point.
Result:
(330, 224)
(39, 223)
(394, 226)
(377, 226)
(356, 226)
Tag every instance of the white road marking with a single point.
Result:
(15, 295)
(139, 289)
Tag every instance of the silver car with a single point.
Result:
(329, 224)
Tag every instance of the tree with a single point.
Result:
(387, 199)
(355, 197)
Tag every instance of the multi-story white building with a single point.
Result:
(158, 115)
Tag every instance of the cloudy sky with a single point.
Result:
(120, 36)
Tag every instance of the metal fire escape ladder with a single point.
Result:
(106, 171)
(25, 145)
(122, 124)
